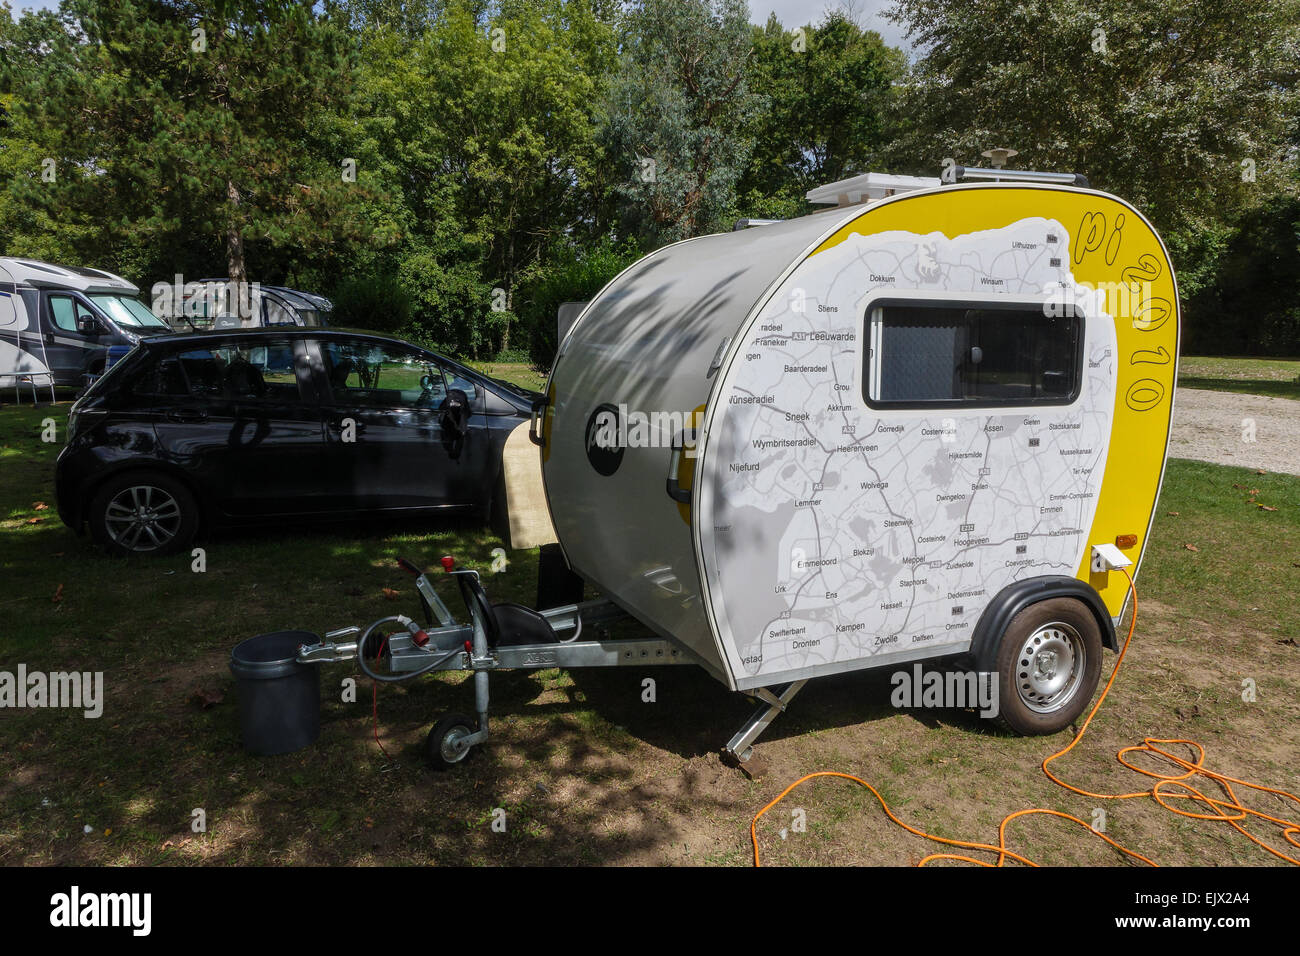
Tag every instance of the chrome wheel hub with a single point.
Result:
(1051, 667)
(142, 518)
(453, 750)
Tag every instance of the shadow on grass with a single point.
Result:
(1246, 386)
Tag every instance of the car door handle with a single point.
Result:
(187, 415)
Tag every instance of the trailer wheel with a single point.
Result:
(1048, 666)
(143, 513)
(443, 747)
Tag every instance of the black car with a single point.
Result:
(192, 431)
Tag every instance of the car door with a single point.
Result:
(71, 352)
(243, 418)
(382, 404)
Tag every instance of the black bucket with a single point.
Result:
(279, 699)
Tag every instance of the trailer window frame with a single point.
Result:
(873, 359)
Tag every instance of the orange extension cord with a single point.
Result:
(1230, 810)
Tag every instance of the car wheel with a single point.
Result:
(143, 513)
(1048, 664)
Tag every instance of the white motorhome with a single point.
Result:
(57, 323)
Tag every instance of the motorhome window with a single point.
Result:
(926, 356)
(128, 311)
(65, 311)
(361, 373)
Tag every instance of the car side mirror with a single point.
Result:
(88, 325)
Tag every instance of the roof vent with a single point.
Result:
(869, 187)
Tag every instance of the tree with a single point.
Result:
(169, 120)
(483, 126)
(830, 92)
(680, 115)
(1160, 101)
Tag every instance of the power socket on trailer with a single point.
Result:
(1107, 557)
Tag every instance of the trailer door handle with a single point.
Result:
(672, 485)
(534, 424)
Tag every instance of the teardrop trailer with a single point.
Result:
(926, 428)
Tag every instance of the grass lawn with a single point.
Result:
(522, 375)
(1278, 378)
(586, 771)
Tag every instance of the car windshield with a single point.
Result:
(128, 311)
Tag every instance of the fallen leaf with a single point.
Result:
(391, 594)
(1253, 492)
(1261, 471)
(1266, 508)
(206, 698)
(1191, 547)
(35, 520)
(108, 831)
(58, 594)
(1173, 514)
(40, 506)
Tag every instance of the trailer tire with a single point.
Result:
(172, 521)
(439, 747)
(1048, 666)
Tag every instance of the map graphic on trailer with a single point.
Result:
(844, 533)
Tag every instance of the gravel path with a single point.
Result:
(1213, 426)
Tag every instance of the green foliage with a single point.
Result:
(379, 304)
(829, 90)
(572, 275)
(173, 125)
(497, 146)
(1157, 101)
(1249, 303)
(482, 129)
(680, 116)
(451, 305)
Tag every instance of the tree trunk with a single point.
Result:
(238, 270)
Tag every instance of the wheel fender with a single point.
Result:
(1017, 596)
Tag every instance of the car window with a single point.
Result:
(381, 375)
(455, 380)
(260, 371)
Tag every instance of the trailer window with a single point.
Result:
(950, 355)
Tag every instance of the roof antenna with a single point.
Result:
(999, 155)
